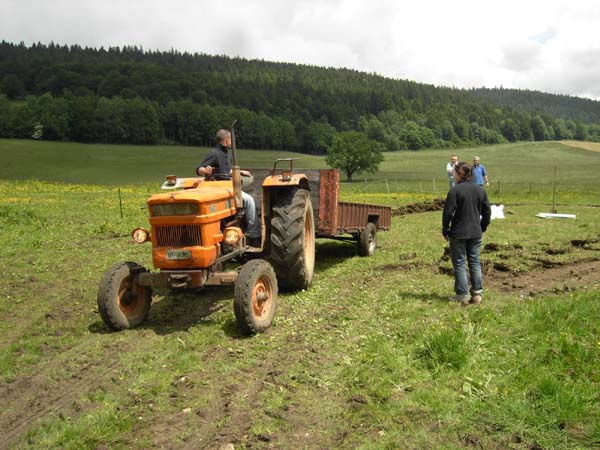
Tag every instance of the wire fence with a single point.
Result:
(391, 185)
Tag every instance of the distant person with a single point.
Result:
(479, 173)
(217, 163)
(466, 217)
(450, 170)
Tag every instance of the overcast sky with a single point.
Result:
(546, 45)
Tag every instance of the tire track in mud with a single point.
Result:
(30, 399)
(49, 393)
(236, 404)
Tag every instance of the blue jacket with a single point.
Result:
(479, 173)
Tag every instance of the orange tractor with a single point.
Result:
(196, 234)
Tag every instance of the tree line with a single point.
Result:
(128, 95)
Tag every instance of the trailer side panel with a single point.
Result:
(354, 217)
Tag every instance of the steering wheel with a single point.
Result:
(216, 177)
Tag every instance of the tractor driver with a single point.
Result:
(218, 164)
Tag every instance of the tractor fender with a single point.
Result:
(275, 185)
(276, 181)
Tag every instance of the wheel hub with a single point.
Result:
(261, 299)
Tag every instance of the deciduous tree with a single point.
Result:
(354, 153)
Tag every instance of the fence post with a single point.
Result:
(387, 185)
(498, 190)
(554, 193)
(434, 189)
(120, 203)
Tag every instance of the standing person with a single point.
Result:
(217, 163)
(479, 173)
(450, 170)
(466, 217)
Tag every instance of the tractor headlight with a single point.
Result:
(140, 235)
(232, 235)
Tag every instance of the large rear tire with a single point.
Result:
(121, 305)
(293, 239)
(255, 299)
(367, 241)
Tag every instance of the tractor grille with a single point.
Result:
(177, 236)
(174, 209)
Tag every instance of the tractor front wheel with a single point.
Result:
(122, 303)
(255, 298)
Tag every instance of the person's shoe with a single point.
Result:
(475, 299)
(462, 299)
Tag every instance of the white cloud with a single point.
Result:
(543, 45)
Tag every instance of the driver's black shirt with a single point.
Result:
(220, 159)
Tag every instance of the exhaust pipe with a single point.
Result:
(236, 177)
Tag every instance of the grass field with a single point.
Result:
(592, 146)
(524, 169)
(372, 356)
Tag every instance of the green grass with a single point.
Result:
(371, 356)
(517, 171)
(115, 164)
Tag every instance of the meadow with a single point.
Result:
(372, 356)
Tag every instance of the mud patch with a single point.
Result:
(406, 261)
(501, 267)
(431, 205)
(552, 278)
(557, 250)
(494, 247)
(404, 265)
(584, 243)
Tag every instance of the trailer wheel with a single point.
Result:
(255, 299)
(293, 239)
(121, 305)
(367, 241)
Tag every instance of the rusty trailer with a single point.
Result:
(336, 219)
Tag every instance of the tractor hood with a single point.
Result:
(205, 199)
(204, 192)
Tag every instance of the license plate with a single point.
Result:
(179, 254)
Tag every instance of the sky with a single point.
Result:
(544, 45)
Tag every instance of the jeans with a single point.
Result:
(461, 252)
(252, 219)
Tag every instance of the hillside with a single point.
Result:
(563, 106)
(128, 95)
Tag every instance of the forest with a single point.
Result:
(134, 96)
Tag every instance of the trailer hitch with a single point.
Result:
(179, 281)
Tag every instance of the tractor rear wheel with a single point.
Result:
(293, 239)
(255, 299)
(122, 303)
(367, 241)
